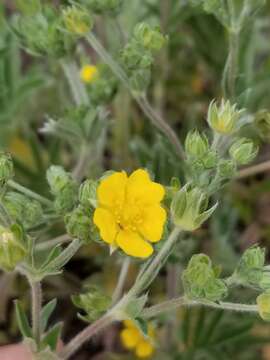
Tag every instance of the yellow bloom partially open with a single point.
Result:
(129, 214)
(133, 339)
(88, 73)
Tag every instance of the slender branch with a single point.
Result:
(92, 329)
(155, 118)
(36, 310)
(182, 301)
(121, 280)
(149, 274)
(79, 169)
(77, 87)
(53, 242)
(253, 170)
(29, 193)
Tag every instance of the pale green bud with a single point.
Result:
(77, 20)
(79, 224)
(13, 247)
(63, 187)
(226, 169)
(200, 280)
(263, 302)
(149, 37)
(23, 210)
(224, 118)
(6, 168)
(94, 303)
(88, 193)
(243, 151)
(196, 145)
(264, 282)
(250, 267)
(189, 208)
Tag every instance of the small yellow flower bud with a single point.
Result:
(88, 73)
(263, 302)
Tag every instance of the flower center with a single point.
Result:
(128, 215)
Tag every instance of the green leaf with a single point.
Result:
(22, 321)
(56, 251)
(46, 313)
(52, 336)
(142, 325)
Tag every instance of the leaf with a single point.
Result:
(52, 336)
(22, 321)
(56, 251)
(46, 313)
(142, 325)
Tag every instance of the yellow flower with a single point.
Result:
(133, 339)
(129, 214)
(88, 73)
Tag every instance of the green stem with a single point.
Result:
(86, 334)
(145, 278)
(29, 193)
(79, 169)
(155, 118)
(182, 301)
(121, 280)
(53, 242)
(77, 87)
(233, 63)
(36, 310)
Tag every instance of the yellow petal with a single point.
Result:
(129, 323)
(106, 224)
(130, 337)
(154, 218)
(144, 349)
(111, 191)
(132, 244)
(142, 189)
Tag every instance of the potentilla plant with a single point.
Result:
(128, 212)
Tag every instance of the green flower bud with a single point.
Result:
(79, 224)
(263, 302)
(189, 208)
(243, 151)
(77, 20)
(225, 118)
(135, 57)
(262, 124)
(6, 168)
(149, 37)
(250, 267)
(104, 6)
(63, 187)
(196, 145)
(200, 280)
(23, 210)
(94, 303)
(13, 248)
(88, 193)
(264, 282)
(226, 169)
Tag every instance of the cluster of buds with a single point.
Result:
(200, 280)
(13, 247)
(63, 187)
(94, 303)
(189, 208)
(137, 56)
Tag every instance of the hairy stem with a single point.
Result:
(155, 118)
(79, 169)
(92, 329)
(182, 301)
(121, 280)
(36, 310)
(66, 255)
(53, 242)
(29, 193)
(253, 170)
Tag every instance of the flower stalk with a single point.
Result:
(36, 309)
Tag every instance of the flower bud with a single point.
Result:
(6, 168)
(250, 267)
(149, 37)
(94, 303)
(79, 224)
(224, 119)
(243, 151)
(226, 169)
(23, 210)
(189, 208)
(200, 280)
(263, 302)
(63, 187)
(13, 247)
(88, 193)
(196, 145)
(77, 20)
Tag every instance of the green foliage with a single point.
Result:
(103, 6)
(6, 168)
